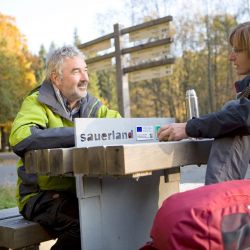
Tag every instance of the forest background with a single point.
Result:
(200, 47)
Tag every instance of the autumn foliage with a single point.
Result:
(16, 75)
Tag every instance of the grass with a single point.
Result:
(7, 197)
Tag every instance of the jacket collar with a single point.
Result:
(242, 84)
(47, 96)
(242, 87)
(88, 105)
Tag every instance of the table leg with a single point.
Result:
(117, 213)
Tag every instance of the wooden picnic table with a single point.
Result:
(120, 187)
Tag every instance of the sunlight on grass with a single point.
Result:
(7, 197)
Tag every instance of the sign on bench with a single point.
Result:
(91, 132)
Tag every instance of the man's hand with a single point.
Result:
(172, 132)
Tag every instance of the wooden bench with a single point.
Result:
(18, 233)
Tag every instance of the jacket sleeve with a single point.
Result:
(31, 129)
(232, 120)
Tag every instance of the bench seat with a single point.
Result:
(18, 233)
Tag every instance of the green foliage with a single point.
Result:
(93, 86)
(163, 97)
(77, 40)
(38, 65)
(103, 85)
(107, 87)
(208, 70)
(7, 197)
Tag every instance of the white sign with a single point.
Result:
(157, 32)
(151, 73)
(145, 133)
(91, 132)
(92, 50)
(162, 51)
(145, 55)
(101, 65)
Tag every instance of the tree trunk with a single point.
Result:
(4, 140)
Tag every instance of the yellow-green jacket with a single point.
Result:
(42, 123)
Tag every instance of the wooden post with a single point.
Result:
(121, 79)
(172, 180)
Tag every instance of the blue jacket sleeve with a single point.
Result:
(232, 120)
(46, 138)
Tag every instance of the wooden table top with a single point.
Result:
(118, 160)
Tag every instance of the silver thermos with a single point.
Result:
(192, 104)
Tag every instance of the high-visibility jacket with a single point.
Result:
(42, 123)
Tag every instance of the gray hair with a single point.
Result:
(55, 59)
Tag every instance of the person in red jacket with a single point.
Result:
(229, 156)
(213, 217)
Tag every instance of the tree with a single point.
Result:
(52, 47)
(40, 71)
(201, 49)
(107, 87)
(38, 64)
(77, 40)
(17, 76)
(244, 9)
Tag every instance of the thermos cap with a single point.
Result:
(190, 92)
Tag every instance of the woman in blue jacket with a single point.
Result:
(230, 153)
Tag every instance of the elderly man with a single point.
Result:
(45, 120)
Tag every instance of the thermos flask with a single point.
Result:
(192, 104)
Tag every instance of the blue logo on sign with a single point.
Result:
(139, 129)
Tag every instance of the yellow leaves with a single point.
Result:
(16, 78)
(6, 126)
(31, 80)
(10, 37)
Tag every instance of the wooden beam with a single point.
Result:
(121, 79)
(30, 162)
(97, 40)
(135, 158)
(147, 45)
(89, 161)
(100, 58)
(17, 233)
(61, 161)
(149, 65)
(147, 24)
(119, 160)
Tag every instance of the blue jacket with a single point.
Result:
(233, 119)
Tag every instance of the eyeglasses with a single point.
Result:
(235, 50)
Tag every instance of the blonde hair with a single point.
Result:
(239, 38)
